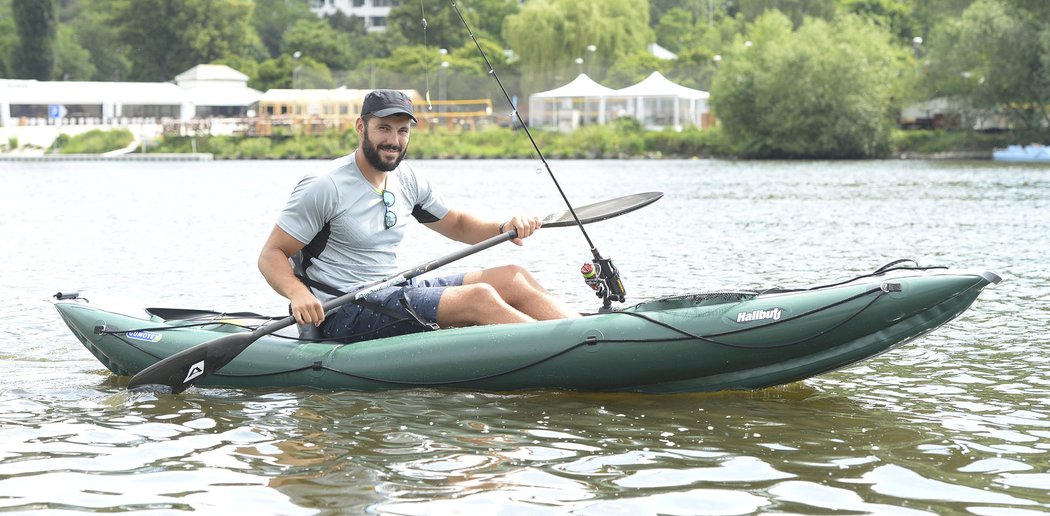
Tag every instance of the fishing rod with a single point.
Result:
(610, 287)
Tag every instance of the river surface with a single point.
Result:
(957, 422)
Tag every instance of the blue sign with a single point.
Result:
(54, 111)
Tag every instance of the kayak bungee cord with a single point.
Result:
(685, 336)
(611, 288)
(889, 267)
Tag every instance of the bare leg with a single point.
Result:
(500, 295)
(519, 289)
(475, 304)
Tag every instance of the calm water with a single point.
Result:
(957, 422)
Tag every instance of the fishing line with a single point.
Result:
(608, 272)
(426, 62)
(517, 114)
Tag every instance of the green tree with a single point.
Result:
(8, 37)
(95, 32)
(797, 10)
(824, 91)
(34, 54)
(172, 36)
(443, 28)
(318, 40)
(700, 11)
(630, 69)
(272, 18)
(285, 72)
(490, 15)
(897, 16)
(995, 60)
(694, 68)
(344, 23)
(549, 35)
(677, 30)
(931, 13)
(72, 61)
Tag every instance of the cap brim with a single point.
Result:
(383, 113)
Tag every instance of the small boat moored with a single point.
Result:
(1028, 153)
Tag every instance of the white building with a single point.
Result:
(216, 91)
(212, 97)
(373, 12)
(203, 91)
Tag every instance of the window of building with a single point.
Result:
(220, 111)
(29, 110)
(150, 111)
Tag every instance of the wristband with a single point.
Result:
(501, 224)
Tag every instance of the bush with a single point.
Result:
(95, 141)
(621, 139)
(935, 141)
(823, 91)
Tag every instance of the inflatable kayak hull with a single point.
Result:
(698, 342)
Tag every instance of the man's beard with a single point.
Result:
(373, 157)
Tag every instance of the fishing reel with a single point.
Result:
(603, 277)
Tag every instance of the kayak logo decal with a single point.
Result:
(145, 336)
(195, 371)
(773, 314)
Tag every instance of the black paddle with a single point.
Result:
(185, 368)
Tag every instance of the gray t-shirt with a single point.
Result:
(338, 216)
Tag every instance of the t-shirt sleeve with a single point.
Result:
(311, 205)
(430, 205)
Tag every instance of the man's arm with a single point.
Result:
(470, 229)
(274, 266)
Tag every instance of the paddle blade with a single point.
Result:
(185, 368)
(603, 210)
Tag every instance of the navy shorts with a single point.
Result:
(353, 322)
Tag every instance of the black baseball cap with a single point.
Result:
(384, 103)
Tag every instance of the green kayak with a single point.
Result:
(690, 343)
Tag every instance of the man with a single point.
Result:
(342, 228)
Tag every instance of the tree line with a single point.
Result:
(788, 78)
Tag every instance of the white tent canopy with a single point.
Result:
(581, 86)
(655, 102)
(658, 102)
(579, 102)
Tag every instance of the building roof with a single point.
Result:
(89, 92)
(211, 72)
(202, 85)
(660, 52)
